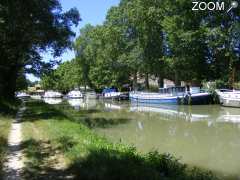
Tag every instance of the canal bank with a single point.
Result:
(55, 135)
(202, 136)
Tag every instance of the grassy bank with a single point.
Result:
(5, 123)
(7, 113)
(59, 147)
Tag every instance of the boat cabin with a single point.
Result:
(180, 90)
(109, 90)
(172, 90)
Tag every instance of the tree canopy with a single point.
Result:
(160, 39)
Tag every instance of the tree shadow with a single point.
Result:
(42, 111)
(105, 164)
(115, 165)
(101, 122)
(9, 106)
(38, 166)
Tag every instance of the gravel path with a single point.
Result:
(14, 163)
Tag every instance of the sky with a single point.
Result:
(91, 11)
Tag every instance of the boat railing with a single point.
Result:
(152, 94)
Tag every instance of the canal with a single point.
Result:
(203, 136)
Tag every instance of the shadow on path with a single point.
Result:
(40, 165)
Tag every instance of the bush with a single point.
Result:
(111, 164)
(236, 85)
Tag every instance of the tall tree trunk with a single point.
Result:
(177, 81)
(135, 81)
(10, 84)
(232, 71)
(160, 81)
(147, 81)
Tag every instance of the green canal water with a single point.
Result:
(203, 136)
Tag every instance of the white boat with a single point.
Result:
(52, 101)
(111, 93)
(22, 95)
(75, 94)
(36, 97)
(229, 98)
(52, 94)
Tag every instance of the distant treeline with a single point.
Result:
(160, 38)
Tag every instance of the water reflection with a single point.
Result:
(53, 101)
(212, 114)
(205, 136)
(229, 115)
(76, 103)
(90, 103)
(112, 106)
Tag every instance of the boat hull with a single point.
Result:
(53, 97)
(193, 99)
(229, 98)
(230, 103)
(75, 97)
(119, 97)
(198, 99)
(175, 100)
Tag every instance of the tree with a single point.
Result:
(28, 28)
(201, 42)
(66, 77)
(159, 38)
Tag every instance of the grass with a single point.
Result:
(5, 123)
(58, 146)
(8, 110)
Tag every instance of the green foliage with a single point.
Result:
(127, 44)
(237, 85)
(66, 77)
(161, 39)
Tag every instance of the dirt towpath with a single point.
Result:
(14, 163)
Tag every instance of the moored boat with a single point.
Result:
(36, 97)
(53, 101)
(22, 95)
(173, 95)
(75, 94)
(111, 93)
(52, 94)
(229, 98)
(196, 96)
